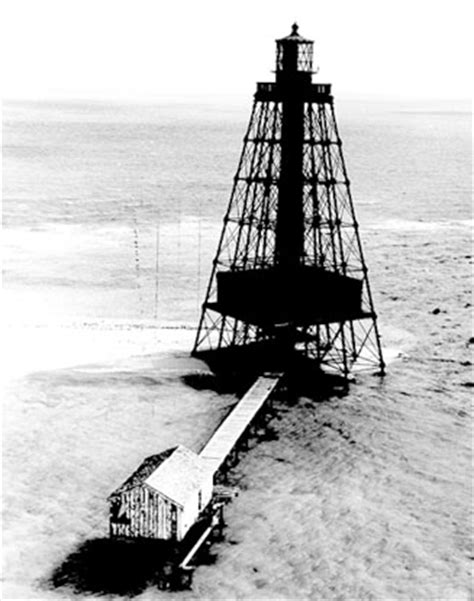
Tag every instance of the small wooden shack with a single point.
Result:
(163, 498)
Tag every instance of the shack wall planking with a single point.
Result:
(145, 513)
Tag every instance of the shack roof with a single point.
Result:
(175, 473)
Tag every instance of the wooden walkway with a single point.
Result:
(226, 437)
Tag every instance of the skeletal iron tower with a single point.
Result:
(289, 278)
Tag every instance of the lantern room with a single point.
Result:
(294, 55)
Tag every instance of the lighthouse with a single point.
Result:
(289, 282)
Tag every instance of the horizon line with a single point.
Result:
(209, 97)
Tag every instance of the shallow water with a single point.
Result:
(111, 217)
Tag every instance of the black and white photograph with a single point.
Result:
(237, 339)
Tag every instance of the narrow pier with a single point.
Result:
(228, 435)
(219, 454)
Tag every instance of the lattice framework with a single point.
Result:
(331, 239)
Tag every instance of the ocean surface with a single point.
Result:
(111, 216)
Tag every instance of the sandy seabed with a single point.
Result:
(365, 496)
(361, 497)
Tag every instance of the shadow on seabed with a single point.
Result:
(300, 379)
(113, 567)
